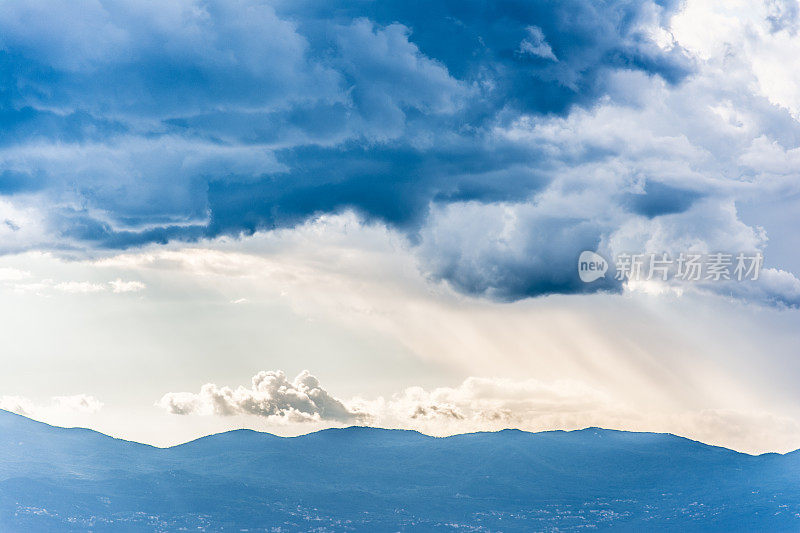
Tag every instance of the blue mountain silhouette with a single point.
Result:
(368, 479)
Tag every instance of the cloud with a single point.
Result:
(79, 287)
(495, 401)
(119, 286)
(209, 118)
(24, 282)
(477, 403)
(501, 139)
(82, 403)
(17, 404)
(535, 44)
(58, 406)
(271, 396)
(490, 404)
(487, 404)
(13, 274)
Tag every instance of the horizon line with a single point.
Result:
(356, 427)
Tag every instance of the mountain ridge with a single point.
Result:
(372, 479)
(356, 428)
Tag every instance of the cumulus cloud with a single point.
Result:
(272, 395)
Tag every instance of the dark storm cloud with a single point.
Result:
(135, 122)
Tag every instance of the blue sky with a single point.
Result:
(356, 172)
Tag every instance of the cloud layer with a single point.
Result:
(501, 138)
(483, 404)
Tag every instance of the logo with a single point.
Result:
(591, 266)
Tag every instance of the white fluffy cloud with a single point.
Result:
(748, 39)
(271, 395)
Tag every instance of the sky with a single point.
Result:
(296, 215)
